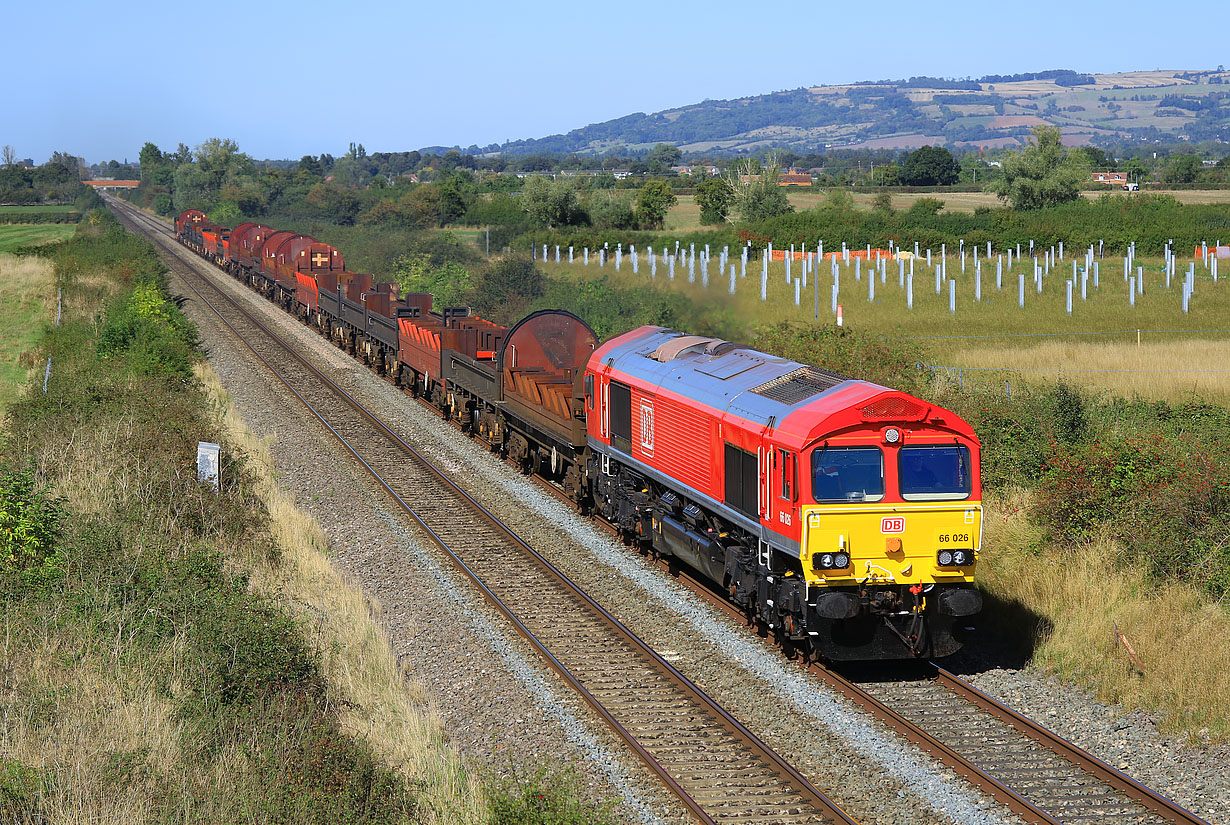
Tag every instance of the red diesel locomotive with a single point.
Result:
(844, 515)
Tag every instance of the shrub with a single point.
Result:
(30, 525)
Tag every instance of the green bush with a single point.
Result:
(545, 799)
(30, 525)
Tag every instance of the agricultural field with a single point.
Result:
(38, 209)
(684, 216)
(16, 235)
(27, 299)
(994, 340)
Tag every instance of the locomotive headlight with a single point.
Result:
(826, 561)
(892, 435)
(945, 558)
(841, 561)
(960, 557)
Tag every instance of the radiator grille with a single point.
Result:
(799, 385)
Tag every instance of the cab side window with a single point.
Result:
(785, 462)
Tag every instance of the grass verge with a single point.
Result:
(1084, 592)
(380, 706)
(142, 677)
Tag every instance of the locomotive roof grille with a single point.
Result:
(799, 385)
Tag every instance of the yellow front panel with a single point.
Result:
(891, 542)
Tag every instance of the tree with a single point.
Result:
(930, 166)
(9, 157)
(757, 195)
(551, 203)
(1044, 173)
(714, 197)
(309, 166)
(1181, 169)
(653, 202)
(662, 157)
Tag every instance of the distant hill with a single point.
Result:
(993, 111)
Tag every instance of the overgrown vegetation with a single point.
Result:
(152, 670)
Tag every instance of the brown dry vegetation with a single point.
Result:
(1157, 369)
(1084, 592)
(381, 705)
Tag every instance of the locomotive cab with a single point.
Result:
(891, 529)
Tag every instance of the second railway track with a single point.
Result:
(719, 770)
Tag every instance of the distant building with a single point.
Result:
(794, 179)
(1110, 178)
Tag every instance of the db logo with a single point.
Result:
(647, 427)
(892, 524)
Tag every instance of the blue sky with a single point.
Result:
(285, 79)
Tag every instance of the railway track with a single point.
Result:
(1032, 771)
(719, 770)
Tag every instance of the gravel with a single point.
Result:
(450, 635)
(498, 703)
(1194, 776)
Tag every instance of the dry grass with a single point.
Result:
(381, 706)
(1157, 369)
(1084, 593)
(27, 298)
(85, 722)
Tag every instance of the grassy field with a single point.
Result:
(27, 299)
(685, 215)
(20, 234)
(1095, 346)
(39, 209)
